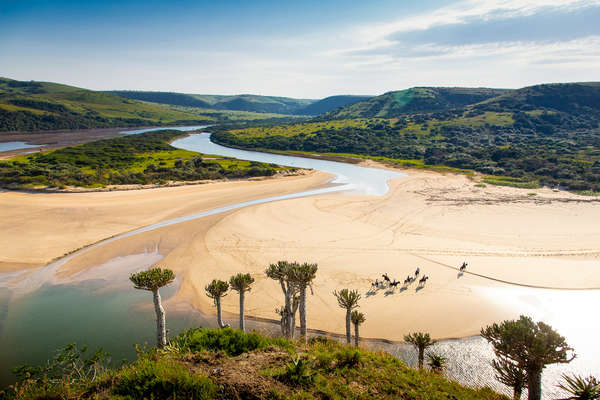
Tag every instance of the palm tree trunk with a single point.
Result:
(219, 315)
(421, 357)
(303, 313)
(534, 385)
(348, 331)
(242, 322)
(161, 334)
(356, 336)
(517, 393)
(288, 310)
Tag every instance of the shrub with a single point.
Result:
(298, 372)
(347, 357)
(231, 341)
(146, 379)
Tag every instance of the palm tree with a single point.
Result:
(280, 271)
(437, 363)
(152, 280)
(347, 299)
(581, 388)
(510, 374)
(241, 283)
(357, 319)
(216, 290)
(302, 276)
(421, 341)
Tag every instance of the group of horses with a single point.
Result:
(409, 279)
(393, 283)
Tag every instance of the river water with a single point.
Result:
(41, 312)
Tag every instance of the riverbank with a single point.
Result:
(427, 220)
(37, 228)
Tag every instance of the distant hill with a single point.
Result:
(242, 102)
(419, 99)
(330, 103)
(543, 135)
(31, 105)
(572, 98)
(176, 99)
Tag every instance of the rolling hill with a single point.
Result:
(419, 99)
(244, 102)
(31, 105)
(330, 103)
(543, 135)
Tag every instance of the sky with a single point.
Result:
(305, 49)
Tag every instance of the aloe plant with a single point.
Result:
(581, 388)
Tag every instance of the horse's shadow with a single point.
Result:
(388, 292)
(460, 275)
(419, 288)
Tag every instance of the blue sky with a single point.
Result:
(307, 49)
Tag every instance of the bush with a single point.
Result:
(347, 357)
(298, 372)
(231, 341)
(147, 379)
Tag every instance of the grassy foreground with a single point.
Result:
(229, 364)
(145, 158)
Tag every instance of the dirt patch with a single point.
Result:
(241, 376)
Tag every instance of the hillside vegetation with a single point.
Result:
(30, 105)
(539, 135)
(145, 158)
(244, 102)
(419, 99)
(230, 364)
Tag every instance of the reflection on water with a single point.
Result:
(8, 146)
(370, 181)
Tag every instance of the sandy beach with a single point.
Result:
(428, 220)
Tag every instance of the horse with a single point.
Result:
(395, 283)
(463, 266)
(423, 279)
(386, 277)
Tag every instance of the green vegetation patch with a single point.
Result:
(145, 158)
(321, 369)
(231, 341)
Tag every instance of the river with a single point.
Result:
(30, 328)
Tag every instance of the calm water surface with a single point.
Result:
(8, 146)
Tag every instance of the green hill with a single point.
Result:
(31, 105)
(243, 102)
(229, 364)
(544, 135)
(419, 99)
(330, 103)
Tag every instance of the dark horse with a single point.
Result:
(463, 267)
(423, 279)
(386, 277)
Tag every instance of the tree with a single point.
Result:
(510, 374)
(241, 283)
(531, 346)
(437, 363)
(302, 276)
(280, 271)
(347, 299)
(152, 280)
(421, 341)
(357, 319)
(216, 290)
(581, 388)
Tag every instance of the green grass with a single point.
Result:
(322, 369)
(145, 158)
(512, 182)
